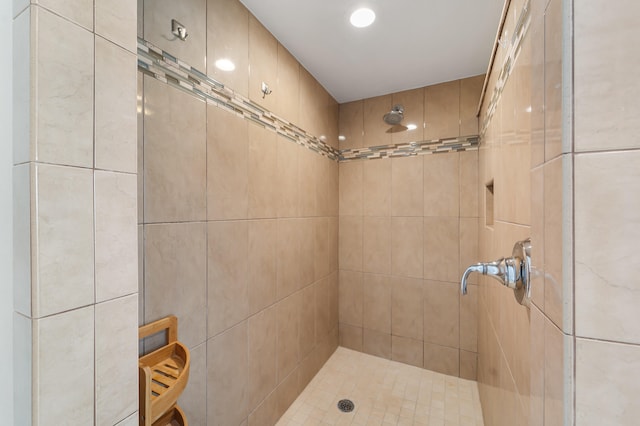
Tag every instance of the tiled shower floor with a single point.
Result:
(385, 393)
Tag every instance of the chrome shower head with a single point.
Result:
(395, 116)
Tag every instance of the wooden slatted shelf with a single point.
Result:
(163, 376)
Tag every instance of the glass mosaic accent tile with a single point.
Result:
(521, 29)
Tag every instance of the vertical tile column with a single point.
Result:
(75, 212)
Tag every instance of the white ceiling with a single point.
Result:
(412, 43)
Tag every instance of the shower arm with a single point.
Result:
(513, 272)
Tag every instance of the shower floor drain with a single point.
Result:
(346, 405)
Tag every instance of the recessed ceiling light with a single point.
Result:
(411, 127)
(225, 65)
(342, 138)
(362, 18)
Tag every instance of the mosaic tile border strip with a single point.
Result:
(165, 67)
(436, 146)
(520, 31)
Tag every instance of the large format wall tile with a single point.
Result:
(470, 91)
(375, 129)
(62, 256)
(606, 380)
(115, 103)
(78, 11)
(406, 186)
(262, 188)
(227, 165)
(376, 188)
(607, 225)
(227, 275)
(442, 313)
(192, 14)
(193, 400)
(288, 326)
(175, 280)
(288, 100)
(377, 303)
(351, 125)
(376, 256)
(606, 90)
(116, 348)
(64, 120)
(64, 359)
(263, 57)
(442, 110)
(227, 376)
(262, 264)
(553, 80)
(350, 298)
(413, 103)
(441, 248)
(351, 188)
(116, 21)
(174, 160)
(442, 185)
(262, 355)
(116, 268)
(407, 307)
(407, 257)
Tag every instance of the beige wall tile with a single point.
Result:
(441, 185)
(193, 399)
(558, 363)
(306, 230)
(262, 264)
(61, 368)
(174, 174)
(351, 242)
(442, 359)
(607, 225)
(375, 129)
(606, 93)
(442, 110)
(228, 38)
(351, 124)
(288, 99)
(469, 179)
(140, 146)
(377, 245)
(132, 420)
(312, 100)
(321, 249)
(470, 91)
(266, 413)
(536, 390)
(262, 356)
(307, 334)
(63, 242)
(350, 298)
(553, 80)
(406, 246)
(116, 383)
(537, 236)
(227, 165)
(193, 15)
(557, 242)
(606, 377)
(413, 102)
(63, 123)
(406, 186)
(287, 391)
(351, 188)
(468, 246)
(442, 313)
(78, 11)
(351, 337)
(227, 275)
(377, 188)
(288, 268)
(116, 255)
(407, 307)
(288, 326)
(323, 189)
(377, 343)
(468, 319)
(406, 350)
(468, 365)
(333, 243)
(441, 248)
(116, 21)
(308, 171)
(262, 168)
(115, 103)
(322, 309)
(287, 178)
(536, 35)
(175, 282)
(263, 60)
(227, 376)
(377, 303)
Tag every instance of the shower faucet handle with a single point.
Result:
(513, 272)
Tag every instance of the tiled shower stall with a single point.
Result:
(274, 240)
